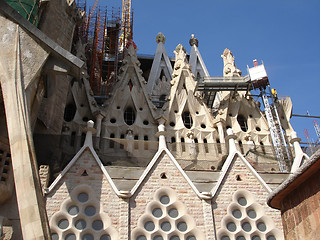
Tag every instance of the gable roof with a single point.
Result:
(87, 145)
(131, 76)
(234, 154)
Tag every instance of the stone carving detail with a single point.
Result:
(44, 175)
(160, 38)
(230, 68)
(193, 41)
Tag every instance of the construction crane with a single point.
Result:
(126, 24)
(260, 81)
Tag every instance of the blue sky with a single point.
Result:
(284, 34)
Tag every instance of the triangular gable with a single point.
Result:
(183, 97)
(151, 167)
(227, 168)
(161, 72)
(131, 86)
(74, 160)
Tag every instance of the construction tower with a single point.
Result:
(126, 24)
(260, 81)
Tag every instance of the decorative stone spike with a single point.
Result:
(160, 38)
(193, 41)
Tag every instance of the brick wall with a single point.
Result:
(175, 181)
(95, 179)
(249, 182)
(301, 210)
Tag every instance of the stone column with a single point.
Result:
(221, 131)
(99, 116)
(299, 154)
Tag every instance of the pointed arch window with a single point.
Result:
(242, 122)
(187, 119)
(129, 116)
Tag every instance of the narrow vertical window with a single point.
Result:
(187, 119)
(129, 116)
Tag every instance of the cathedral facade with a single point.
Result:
(169, 154)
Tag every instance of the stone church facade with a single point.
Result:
(151, 161)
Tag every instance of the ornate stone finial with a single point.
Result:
(160, 38)
(229, 69)
(179, 47)
(193, 41)
(90, 130)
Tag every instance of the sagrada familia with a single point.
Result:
(168, 153)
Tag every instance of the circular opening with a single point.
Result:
(157, 212)
(113, 120)
(54, 236)
(90, 211)
(241, 238)
(83, 197)
(85, 119)
(252, 213)
(246, 226)
(182, 226)
(158, 237)
(70, 236)
(231, 226)
(271, 237)
(250, 116)
(225, 237)
(228, 126)
(237, 213)
(145, 122)
(141, 237)
(203, 125)
(175, 237)
(81, 105)
(230, 114)
(73, 210)
(88, 236)
(105, 237)
(213, 168)
(255, 237)
(172, 124)
(191, 237)
(258, 129)
(175, 111)
(242, 201)
(173, 213)
(166, 226)
(149, 226)
(261, 226)
(141, 109)
(80, 224)
(97, 225)
(63, 224)
(164, 199)
(197, 112)
(118, 107)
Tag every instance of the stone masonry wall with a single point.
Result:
(249, 182)
(175, 181)
(58, 22)
(301, 210)
(95, 179)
